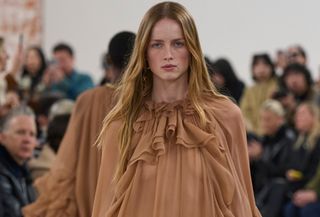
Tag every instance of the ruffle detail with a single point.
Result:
(166, 123)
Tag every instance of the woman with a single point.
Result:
(33, 70)
(264, 76)
(172, 146)
(302, 163)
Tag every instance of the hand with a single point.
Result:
(255, 150)
(303, 197)
(52, 75)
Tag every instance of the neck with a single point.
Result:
(169, 91)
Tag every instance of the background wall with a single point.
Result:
(233, 29)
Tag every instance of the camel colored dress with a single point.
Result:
(68, 189)
(177, 168)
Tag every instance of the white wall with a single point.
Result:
(233, 29)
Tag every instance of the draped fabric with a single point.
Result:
(177, 167)
(68, 189)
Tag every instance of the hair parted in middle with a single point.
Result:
(136, 82)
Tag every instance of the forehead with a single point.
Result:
(21, 121)
(166, 28)
(62, 54)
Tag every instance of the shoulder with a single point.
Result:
(82, 75)
(222, 108)
(97, 94)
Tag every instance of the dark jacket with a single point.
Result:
(274, 159)
(16, 188)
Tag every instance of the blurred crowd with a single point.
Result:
(280, 110)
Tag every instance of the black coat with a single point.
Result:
(274, 160)
(16, 188)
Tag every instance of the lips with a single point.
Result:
(169, 66)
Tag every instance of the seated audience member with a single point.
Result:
(58, 119)
(281, 61)
(41, 164)
(268, 157)
(8, 96)
(30, 82)
(67, 80)
(296, 54)
(42, 110)
(305, 202)
(18, 139)
(265, 85)
(226, 80)
(302, 161)
(297, 80)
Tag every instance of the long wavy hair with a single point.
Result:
(314, 135)
(136, 82)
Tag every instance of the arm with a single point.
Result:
(9, 204)
(237, 144)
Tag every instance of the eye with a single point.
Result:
(179, 44)
(156, 45)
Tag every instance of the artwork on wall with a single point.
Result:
(21, 21)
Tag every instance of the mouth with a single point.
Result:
(169, 66)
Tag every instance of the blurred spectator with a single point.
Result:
(297, 80)
(306, 202)
(281, 62)
(33, 70)
(64, 78)
(18, 139)
(56, 123)
(268, 158)
(264, 76)
(301, 164)
(8, 97)
(41, 164)
(226, 80)
(42, 109)
(117, 56)
(306, 151)
(296, 54)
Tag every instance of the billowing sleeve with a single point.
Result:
(231, 117)
(68, 189)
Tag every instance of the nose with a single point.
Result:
(168, 54)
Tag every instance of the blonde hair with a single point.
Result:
(314, 134)
(136, 82)
(273, 106)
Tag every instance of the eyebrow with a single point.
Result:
(160, 40)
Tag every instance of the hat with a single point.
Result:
(120, 48)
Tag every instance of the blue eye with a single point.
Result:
(156, 45)
(179, 44)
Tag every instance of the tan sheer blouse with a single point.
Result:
(178, 168)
